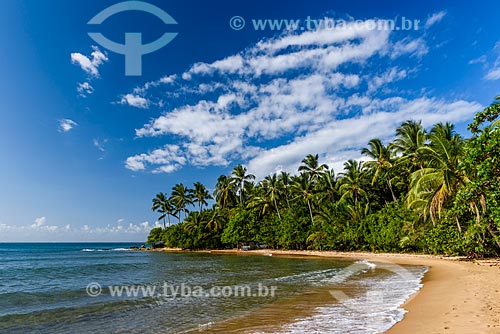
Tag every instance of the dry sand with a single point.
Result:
(458, 296)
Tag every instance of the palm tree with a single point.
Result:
(311, 167)
(271, 187)
(181, 197)
(200, 195)
(357, 212)
(431, 187)
(285, 184)
(261, 202)
(410, 138)
(327, 186)
(192, 222)
(223, 193)
(216, 220)
(381, 163)
(160, 206)
(240, 179)
(352, 181)
(169, 210)
(304, 189)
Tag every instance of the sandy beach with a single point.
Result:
(458, 296)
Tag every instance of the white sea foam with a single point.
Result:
(368, 263)
(106, 250)
(373, 312)
(329, 276)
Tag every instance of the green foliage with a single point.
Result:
(390, 229)
(155, 235)
(380, 205)
(240, 228)
(445, 238)
(480, 197)
(292, 233)
(489, 114)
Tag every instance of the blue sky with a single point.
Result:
(84, 148)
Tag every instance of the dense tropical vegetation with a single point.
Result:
(427, 191)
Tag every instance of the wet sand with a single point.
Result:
(458, 296)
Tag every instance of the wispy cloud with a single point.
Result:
(99, 144)
(393, 74)
(66, 125)
(90, 64)
(170, 158)
(41, 231)
(494, 71)
(84, 89)
(287, 96)
(493, 74)
(340, 140)
(39, 221)
(435, 18)
(479, 60)
(134, 101)
(413, 46)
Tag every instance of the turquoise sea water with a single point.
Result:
(44, 289)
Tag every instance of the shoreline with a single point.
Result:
(458, 295)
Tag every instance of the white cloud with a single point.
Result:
(493, 74)
(99, 144)
(41, 231)
(494, 71)
(84, 89)
(170, 158)
(134, 101)
(479, 60)
(39, 221)
(393, 74)
(168, 79)
(285, 97)
(435, 18)
(90, 64)
(413, 47)
(119, 228)
(341, 140)
(66, 125)
(40, 225)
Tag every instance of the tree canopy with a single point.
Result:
(425, 191)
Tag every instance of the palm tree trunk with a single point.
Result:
(390, 188)
(458, 225)
(278, 211)
(168, 220)
(164, 223)
(241, 193)
(310, 211)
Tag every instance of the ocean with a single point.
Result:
(107, 288)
